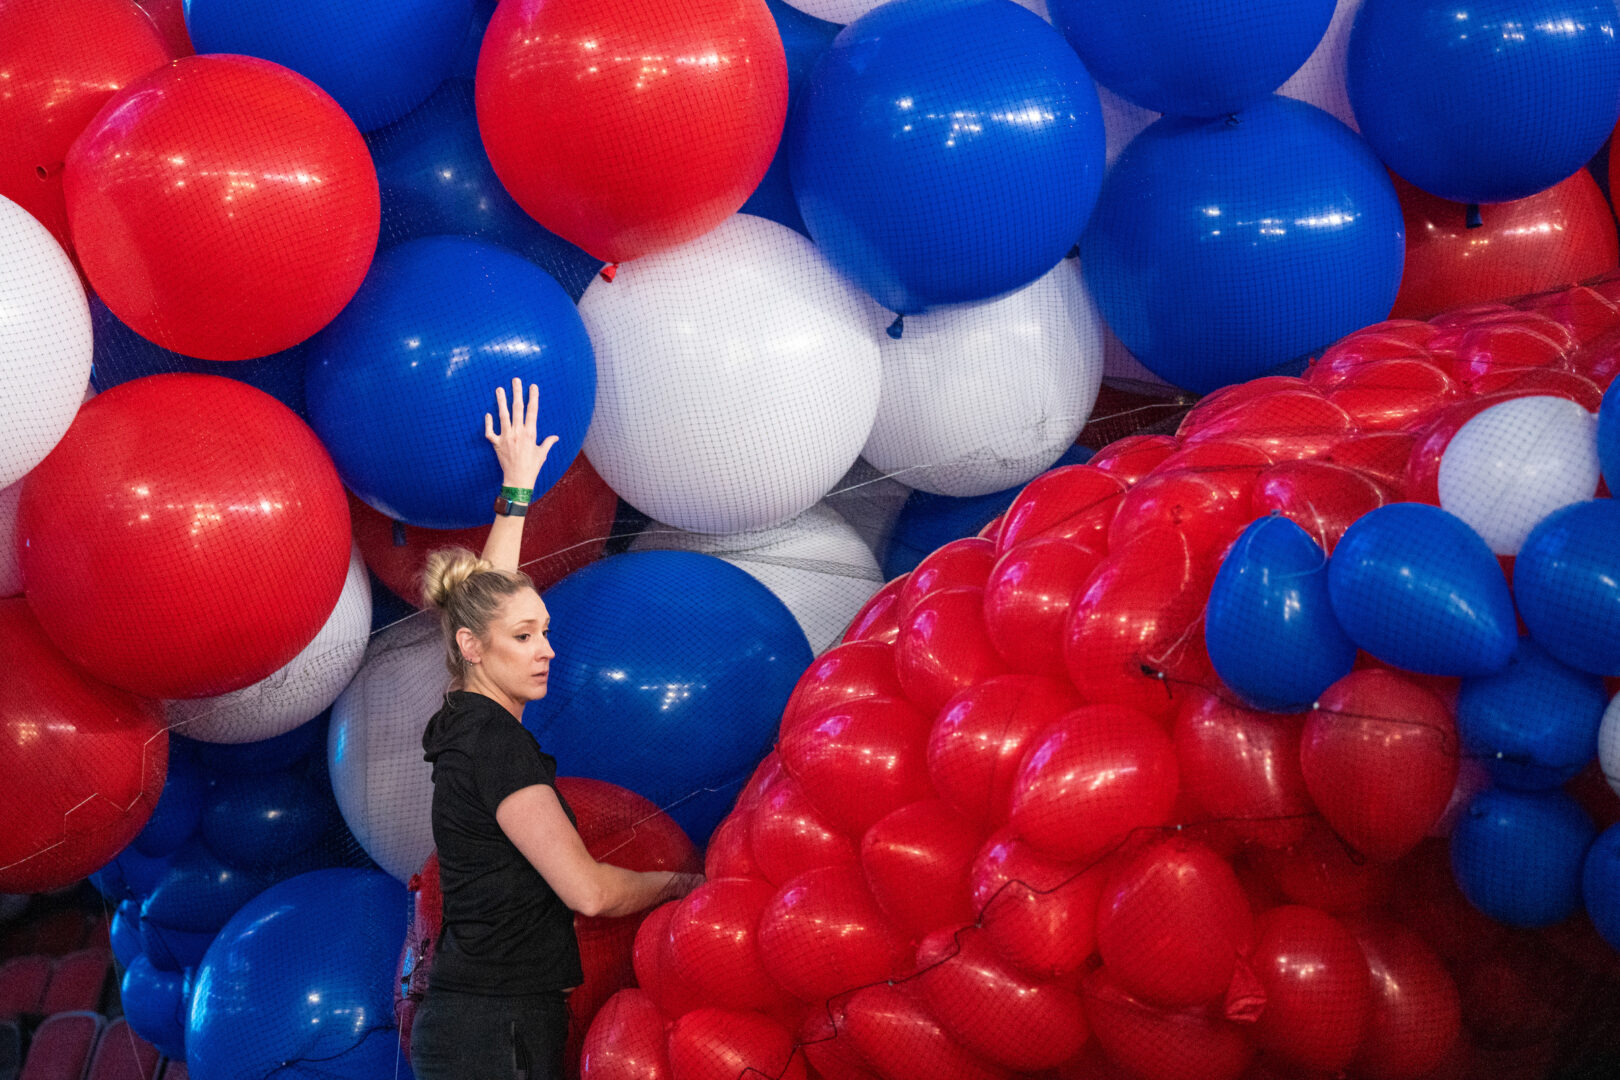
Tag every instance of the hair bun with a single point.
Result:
(447, 569)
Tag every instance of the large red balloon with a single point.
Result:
(860, 760)
(1315, 979)
(1562, 235)
(169, 16)
(787, 835)
(944, 648)
(1028, 597)
(657, 123)
(1293, 421)
(915, 861)
(1038, 912)
(81, 764)
(187, 537)
(223, 206)
(626, 1041)
(979, 739)
(823, 934)
(1415, 1015)
(1241, 767)
(1163, 1044)
(723, 1044)
(900, 1036)
(60, 60)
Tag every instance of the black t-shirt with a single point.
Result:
(505, 930)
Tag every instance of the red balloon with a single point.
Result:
(605, 954)
(860, 760)
(1426, 899)
(1223, 403)
(169, 16)
(1134, 456)
(829, 1047)
(728, 854)
(769, 770)
(626, 1041)
(993, 1011)
(978, 742)
(879, 619)
(1517, 343)
(1599, 360)
(1380, 756)
(1028, 598)
(1400, 339)
(1321, 498)
(723, 1044)
(173, 562)
(1422, 480)
(944, 648)
(959, 564)
(1586, 313)
(1171, 922)
(1382, 456)
(712, 944)
(659, 119)
(81, 764)
(1241, 767)
(1547, 381)
(915, 861)
(653, 967)
(1038, 912)
(1163, 1044)
(849, 672)
(1562, 235)
(625, 829)
(789, 836)
(1391, 395)
(1415, 1015)
(1315, 978)
(1207, 506)
(1322, 872)
(60, 63)
(1287, 423)
(567, 528)
(900, 1036)
(1091, 779)
(223, 206)
(1076, 502)
(823, 934)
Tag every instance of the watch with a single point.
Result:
(507, 508)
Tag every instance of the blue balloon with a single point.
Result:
(155, 1003)
(1600, 883)
(179, 807)
(804, 39)
(129, 875)
(302, 743)
(671, 673)
(1608, 435)
(1517, 855)
(124, 932)
(259, 821)
(1567, 582)
(1192, 57)
(300, 983)
(1417, 588)
(434, 178)
(1222, 250)
(173, 950)
(400, 382)
(1269, 625)
(378, 58)
(1534, 724)
(1483, 101)
(946, 151)
(466, 63)
(200, 891)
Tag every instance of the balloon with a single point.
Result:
(788, 835)
(175, 563)
(980, 736)
(654, 647)
(737, 378)
(1027, 601)
(1315, 979)
(1038, 912)
(1218, 250)
(683, 144)
(961, 563)
(1456, 105)
(917, 125)
(84, 762)
(62, 62)
(179, 807)
(955, 418)
(1416, 587)
(323, 945)
(45, 348)
(822, 934)
(1600, 882)
(879, 620)
(1415, 1016)
(1567, 588)
(829, 1049)
(1322, 871)
(1322, 498)
(378, 59)
(191, 255)
(199, 891)
(895, 1031)
(1609, 744)
(713, 944)
(123, 935)
(1392, 394)
(626, 1041)
(169, 16)
(1269, 626)
(859, 761)
(1163, 1044)
(10, 573)
(943, 647)
(804, 38)
(1241, 768)
(1609, 436)
(1533, 724)
(860, 669)
(1076, 503)
(270, 755)
(155, 1004)
(1320, 80)
(1180, 57)
(915, 862)
(1383, 458)
(1517, 855)
(1564, 234)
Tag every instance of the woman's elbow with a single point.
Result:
(591, 903)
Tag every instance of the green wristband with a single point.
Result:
(517, 495)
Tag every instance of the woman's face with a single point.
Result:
(515, 657)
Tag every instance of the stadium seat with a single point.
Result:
(123, 1055)
(10, 1050)
(62, 1046)
(78, 983)
(22, 984)
(176, 1070)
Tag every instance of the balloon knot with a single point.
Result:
(1232, 120)
(1074, 252)
(415, 884)
(1474, 220)
(399, 534)
(897, 327)
(609, 272)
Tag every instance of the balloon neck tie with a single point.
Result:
(46, 172)
(1074, 252)
(1233, 120)
(1474, 220)
(897, 327)
(609, 272)
(399, 534)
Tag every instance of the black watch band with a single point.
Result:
(507, 508)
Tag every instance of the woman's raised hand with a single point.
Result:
(517, 446)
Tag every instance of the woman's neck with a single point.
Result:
(475, 683)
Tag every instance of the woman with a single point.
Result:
(513, 869)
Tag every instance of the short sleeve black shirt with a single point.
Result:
(506, 932)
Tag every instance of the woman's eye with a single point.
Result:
(523, 637)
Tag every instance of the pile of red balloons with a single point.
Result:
(1015, 825)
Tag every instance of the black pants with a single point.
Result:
(470, 1037)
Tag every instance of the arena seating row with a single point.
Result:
(42, 985)
(81, 1046)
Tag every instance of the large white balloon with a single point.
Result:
(983, 398)
(816, 564)
(11, 583)
(1321, 79)
(736, 378)
(45, 344)
(1517, 462)
(847, 11)
(1609, 744)
(374, 747)
(296, 694)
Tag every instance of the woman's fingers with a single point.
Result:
(489, 428)
(531, 420)
(506, 415)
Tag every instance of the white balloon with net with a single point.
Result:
(1609, 744)
(847, 11)
(297, 693)
(871, 502)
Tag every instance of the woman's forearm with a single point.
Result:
(626, 892)
(505, 542)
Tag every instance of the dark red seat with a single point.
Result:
(78, 983)
(176, 1070)
(23, 980)
(123, 1055)
(62, 1046)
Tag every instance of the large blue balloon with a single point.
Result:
(1417, 588)
(946, 151)
(154, 1002)
(129, 875)
(1600, 883)
(1517, 855)
(378, 58)
(1269, 625)
(1221, 250)
(1192, 57)
(299, 984)
(399, 384)
(672, 669)
(434, 178)
(1609, 436)
(169, 949)
(1535, 723)
(261, 821)
(267, 755)
(1567, 581)
(200, 892)
(804, 39)
(179, 807)
(1482, 101)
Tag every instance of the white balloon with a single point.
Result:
(1609, 744)
(1321, 79)
(870, 501)
(374, 747)
(45, 343)
(296, 694)
(816, 564)
(736, 378)
(986, 397)
(11, 583)
(847, 11)
(1517, 462)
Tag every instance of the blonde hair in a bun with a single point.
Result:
(467, 592)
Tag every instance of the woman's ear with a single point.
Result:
(471, 648)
